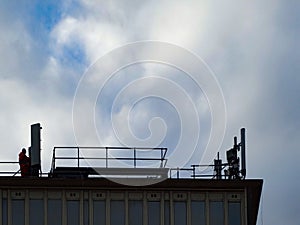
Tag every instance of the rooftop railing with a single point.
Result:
(11, 168)
(108, 157)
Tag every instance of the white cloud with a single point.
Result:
(96, 35)
(245, 44)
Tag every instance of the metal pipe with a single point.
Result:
(77, 156)
(243, 151)
(106, 157)
(134, 157)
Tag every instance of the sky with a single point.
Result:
(54, 62)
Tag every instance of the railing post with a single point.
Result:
(194, 171)
(53, 157)
(106, 157)
(77, 156)
(161, 157)
(134, 157)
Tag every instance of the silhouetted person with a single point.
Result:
(24, 162)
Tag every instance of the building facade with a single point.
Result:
(99, 201)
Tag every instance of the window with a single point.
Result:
(167, 213)
(117, 212)
(73, 212)
(216, 213)
(234, 213)
(180, 217)
(18, 212)
(198, 212)
(135, 212)
(54, 211)
(36, 211)
(99, 214)
(4, 211)
(86, 212)
(153, 213)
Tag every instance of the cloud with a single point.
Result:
(95, 35)
(31, 82)
(251, 47)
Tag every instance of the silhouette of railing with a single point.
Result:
(10, 173)
(106, 156)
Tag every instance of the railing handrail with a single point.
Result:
(135, 158)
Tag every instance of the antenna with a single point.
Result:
(35, 149)
(218, 168)
(233, 160)
(243, 151)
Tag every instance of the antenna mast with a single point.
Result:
(243, 151)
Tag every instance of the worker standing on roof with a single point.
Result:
(24, 162)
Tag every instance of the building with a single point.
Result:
(75, 195)
(72, 201)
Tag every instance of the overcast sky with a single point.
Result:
(48, 49)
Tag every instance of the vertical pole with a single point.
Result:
(77, 156)
(161, 158)
(53, 159)
(106, 157)
(134, 157)
(243, 151)
(235, 145)
(218, 167)
(194, 171)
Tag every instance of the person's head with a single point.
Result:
(24, 150)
